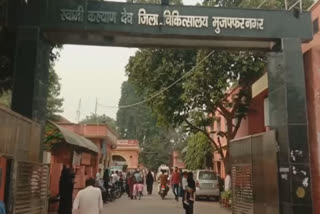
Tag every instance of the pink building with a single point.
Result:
(254, 123)
(126, 152)
(177, 160)
(257, 119)
(101, 135)
(311, 53)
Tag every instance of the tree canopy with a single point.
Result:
(199, 152)
(100, 119)
(206, 77)
(138, 122)
(54, 101)
(196, 98)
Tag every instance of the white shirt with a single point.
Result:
(184, 183)
(227, 183)
(98, 176)
(88, 200)
(115, 178)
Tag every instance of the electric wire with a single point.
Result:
(162, 90)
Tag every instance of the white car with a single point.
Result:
(207, 184)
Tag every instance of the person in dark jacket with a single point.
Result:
(65, 191)
(190, 190)
(149, 181)
(106, 180)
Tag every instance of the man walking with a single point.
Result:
(175, 180)
(88, 200)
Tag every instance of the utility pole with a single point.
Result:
(78, 112)
(96, 108)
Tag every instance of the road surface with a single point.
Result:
(155, 205)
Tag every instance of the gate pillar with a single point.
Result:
(288, 116)
(31, 66)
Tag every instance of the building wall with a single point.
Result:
(63, 155)
(311, 52)
(253, 124)
(177, 161)
(312, 74)
(3, 168)
(131, 157)
(129, 150)
(101, 135)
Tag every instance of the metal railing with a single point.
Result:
(290, 6)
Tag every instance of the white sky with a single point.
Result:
(92, 72)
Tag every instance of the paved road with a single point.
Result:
(154, 205)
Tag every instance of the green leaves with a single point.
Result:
(199, 152)
(100, 119)
(54, 102)
(136, 122)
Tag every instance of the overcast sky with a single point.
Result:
(91, 72)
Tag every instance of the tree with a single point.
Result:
(202, 92)
(270, 4)
(100, 119)
(199, 152)
(194, 100)
(54, 102)
(156, 152)
(136, 122)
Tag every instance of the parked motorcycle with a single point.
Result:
(117, 192)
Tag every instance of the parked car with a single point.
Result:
(207, 184)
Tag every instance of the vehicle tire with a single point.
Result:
(118, 195)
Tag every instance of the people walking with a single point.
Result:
(175, 180)
(106, 180)
(184, 184)
(88, 200)
(149, 181)
(65, 191)
(99, 175)
(189, 194)
(130, 182)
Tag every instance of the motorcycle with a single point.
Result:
(163, 191)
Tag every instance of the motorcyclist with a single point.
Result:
(163, 180)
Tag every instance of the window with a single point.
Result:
(207, 176)
(226, 126)
(266, 112)
(235, 121)
(219, 124)
(316, 26)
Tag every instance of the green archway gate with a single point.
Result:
(39, 22)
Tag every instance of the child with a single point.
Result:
(135, 191)
(189, 192)
(140, 189)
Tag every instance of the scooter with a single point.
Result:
(164, 189)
